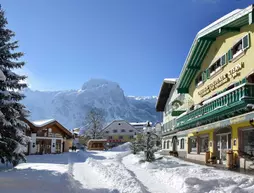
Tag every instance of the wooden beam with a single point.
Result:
(229, 29)
(194, 67)
(183, 90)
(207, 39)
(251, 18)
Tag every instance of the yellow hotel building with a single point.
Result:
(218, 74)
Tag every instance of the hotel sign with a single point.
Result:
(234, 72)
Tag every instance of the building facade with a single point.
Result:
(48, 136)
(118, 132)
(173, 105)
(139, 126)
(219, 77)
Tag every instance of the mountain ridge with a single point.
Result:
(69, 107)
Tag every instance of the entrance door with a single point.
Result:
(223, 145)
(174, 144)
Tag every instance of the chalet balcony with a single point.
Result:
(230, 103)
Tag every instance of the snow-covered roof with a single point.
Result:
(165, 90)
(103, 140)
(41, 123)
(138, 123)
(116, 121)
(220, 20)
(170, 80)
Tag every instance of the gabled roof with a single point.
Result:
(231, 22)
(165, 91)
(115, 121)
(37, 125)
(41, 123)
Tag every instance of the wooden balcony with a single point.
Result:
(230, 103)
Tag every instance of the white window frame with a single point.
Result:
(182, 143)
(241, 52)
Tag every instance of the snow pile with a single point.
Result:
(148, 165)
(116, 174)
(188, 177)
(123, 147)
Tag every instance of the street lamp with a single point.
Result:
(2, 76)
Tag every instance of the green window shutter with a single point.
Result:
(208, 73)
(223, 60)
(230, 55)
(246, 41)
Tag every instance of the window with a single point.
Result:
(199, 79)
(239, 47)
(110, 137)
(131, 137)
(164, 145)
(114, 131)
(204, 144)
(106, 131)
(123, 130)
(130, 131)
(216, 66)
(193, 146)
(248, 141)
(119, 123)
(167, 144)
(182, 143)
(120, 137)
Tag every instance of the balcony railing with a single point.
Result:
(223, 105)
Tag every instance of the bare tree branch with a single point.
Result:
(94, 122)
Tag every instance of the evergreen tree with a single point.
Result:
(13, 140)
(137, 145)
(151, 145)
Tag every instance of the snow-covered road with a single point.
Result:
(118, 172)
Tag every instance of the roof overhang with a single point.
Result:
(165, 91)
(204, 39)
(34, 127)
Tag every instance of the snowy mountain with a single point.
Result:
(70, 107)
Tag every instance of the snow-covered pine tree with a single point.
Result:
(12, 130)
(137, 145)
(151, 145)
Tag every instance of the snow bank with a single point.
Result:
(116, 174)
(123, 147)
(189, 177)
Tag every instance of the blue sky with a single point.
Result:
(136, 43)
